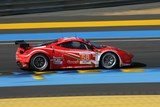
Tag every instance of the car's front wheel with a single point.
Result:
(109, 60)
(39, 62)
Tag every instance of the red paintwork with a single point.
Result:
(61, 57)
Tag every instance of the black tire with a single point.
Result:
(39, 62)
(109, 60)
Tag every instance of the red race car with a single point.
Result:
(72, 52)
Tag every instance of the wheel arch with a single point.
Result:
(34, 52)
(42, 53)
(119, 58)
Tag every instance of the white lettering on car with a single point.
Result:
(72, 62)
(57, 60)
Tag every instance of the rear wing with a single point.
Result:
(22, 44)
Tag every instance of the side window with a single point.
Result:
(78, 45)
(66, 45)
(73, 45)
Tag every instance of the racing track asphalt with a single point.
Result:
(81, 90)
(146, 52)
(87, 14)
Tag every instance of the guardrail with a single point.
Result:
(14, 7)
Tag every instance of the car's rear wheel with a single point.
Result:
(109, 60)
(39, 62)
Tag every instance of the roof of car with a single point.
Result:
(65, 39)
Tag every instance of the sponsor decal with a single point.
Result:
(72, 62)
(57, 60)
(85, 62)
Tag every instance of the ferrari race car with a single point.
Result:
(71, 52)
